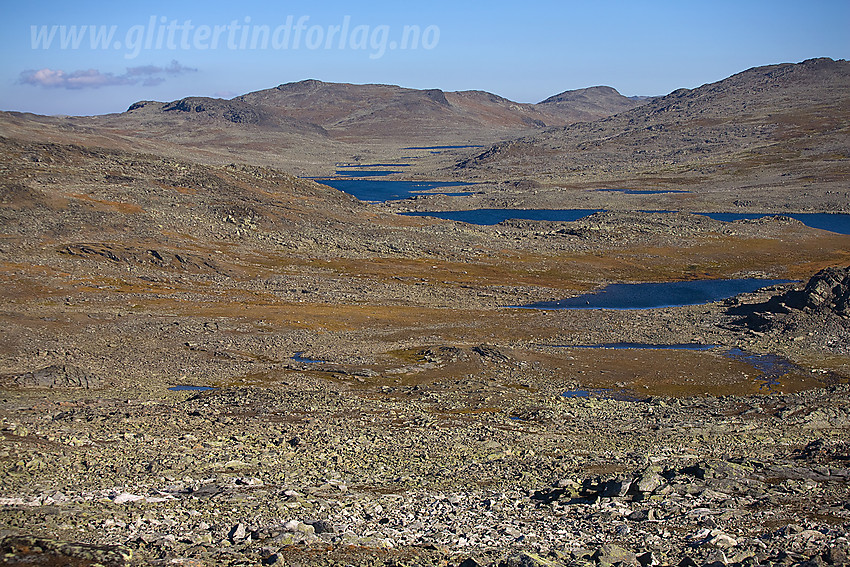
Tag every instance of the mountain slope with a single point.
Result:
(767, 125)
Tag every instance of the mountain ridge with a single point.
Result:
(768, 124)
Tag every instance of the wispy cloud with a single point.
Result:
(146, 75)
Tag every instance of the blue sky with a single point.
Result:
(158, 50)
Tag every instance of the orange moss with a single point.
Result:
(126, 208)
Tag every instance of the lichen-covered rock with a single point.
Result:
(54, 376)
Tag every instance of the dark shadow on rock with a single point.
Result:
(827, 292)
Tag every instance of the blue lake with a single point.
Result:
(656, 295)
(191, 388)
(373, 165)
(383, 190)
(366, 172)
(495, 216)
(440, 147)
(833, 222)
(645, 191)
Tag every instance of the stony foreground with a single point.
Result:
(328, 475)
(441, 426)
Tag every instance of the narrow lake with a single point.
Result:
(656, 295)
(440, 147)
(645, 191)
(380, 190)
(495, 216)
(833, 222)
(366, 172)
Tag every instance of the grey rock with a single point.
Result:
(839, 554)
(320, 526)
(611, 554)
(527, 559)
(237, 533)
(54, 376)
(648, 483)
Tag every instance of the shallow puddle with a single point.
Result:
(772, 367)
(683, 372)
(298, 358)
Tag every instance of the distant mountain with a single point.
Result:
(308, 125)
(584, 105)
(759, 125)
(347, 110)
(216, 111)
(352, 111)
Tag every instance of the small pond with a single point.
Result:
(186, 388)
(298, 358)
(602, 393)
(770, 369)
(656, 295)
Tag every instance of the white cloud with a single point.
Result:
(147, 75)
(174, 68)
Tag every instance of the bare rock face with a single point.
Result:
(54, 376)
(821, 308)
(827, 291)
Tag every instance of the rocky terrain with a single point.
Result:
(213, 362)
